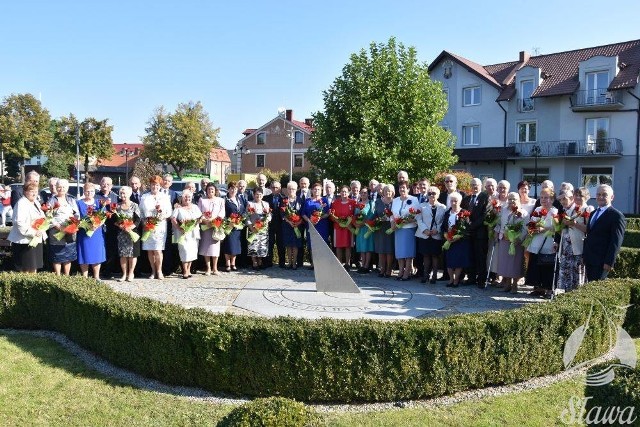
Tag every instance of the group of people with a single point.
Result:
(491, 235)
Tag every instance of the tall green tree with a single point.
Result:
(24, 126)
(182, 139)
(95, 140)
(381, 116)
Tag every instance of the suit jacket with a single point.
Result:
(477, 229)
(425, 218)
(442, 198)
(604, 237)
(16, 194)
(136, 197)
(274, 204)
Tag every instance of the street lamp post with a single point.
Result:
(536, 153)
(78, 162)
(291, 137)
(239, 151)
(126, 153)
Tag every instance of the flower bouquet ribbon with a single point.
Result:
(70, 226)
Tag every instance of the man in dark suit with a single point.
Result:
(476, 203)
(171, 258)
(112, 265)
(136, 190)
(46, 195)
(275, 226)
(605, 232)
(16, 192)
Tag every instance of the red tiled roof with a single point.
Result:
(119, 160)
(219, 155)
(302, 125)
(561, 69)
(248, 132)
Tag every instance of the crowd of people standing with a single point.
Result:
(492, 236)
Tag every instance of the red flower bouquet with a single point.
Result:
(185, 227)
(95, 218)
(70, 226)
(400, 221)
(342, 221)
(234, 222)
(459, 229)
(151, 222)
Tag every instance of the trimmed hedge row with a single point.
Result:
(323, 360)
(631, 239)
(633, 223)
(620, 395)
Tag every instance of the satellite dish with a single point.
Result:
(282, 111)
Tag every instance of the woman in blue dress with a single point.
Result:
(458, 255)
(311, 213)
(91, 251)
(364, 244)
(231, 245)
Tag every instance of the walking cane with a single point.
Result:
(486, 282)
(556, 263)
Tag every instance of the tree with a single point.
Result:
(24, 126)
(182, 140)
(145, 169)
(94, 139)
(380, 116)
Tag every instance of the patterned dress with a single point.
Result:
(571, 272)
(258, 246)
(126, 246)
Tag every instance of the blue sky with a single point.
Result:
(243, 60)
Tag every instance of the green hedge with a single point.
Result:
(631, 239)
(321, 360)
(623, 392)
(633, 223)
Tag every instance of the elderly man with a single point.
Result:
(16, 193)
(303, 190)
(605, 232)
(202, 192)
(261, 183)
(46, 195)
(136, 189)
(374, 187)
(451, 186)
(476, 203)
(167, 180)
(490, 186)
(275, 226)
(403, 178)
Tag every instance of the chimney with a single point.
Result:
(524, 56)
(308, 122)
(289, 115)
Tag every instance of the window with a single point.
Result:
(526, 90)
(260, 160)
(299, 137)
(527, 132)
(298, 160)
(471, 135)
(597, 84)
(593, 177)
(471, 96)
(261, 138)
(597, 134)
(529, 175)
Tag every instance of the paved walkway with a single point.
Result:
(279, 292)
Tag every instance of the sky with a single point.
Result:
(244, 60)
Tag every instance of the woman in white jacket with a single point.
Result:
(27, 210)
(429, 221)
(576, 217)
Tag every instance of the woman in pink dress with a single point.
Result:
(212, 207)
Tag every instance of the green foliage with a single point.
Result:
(321, 360)
(464, 180)
(622, 392)
(380, 116)
(24, 126)
(631, 239)
(271, 411)
(182, 139)
(145, 169)
(633, 223)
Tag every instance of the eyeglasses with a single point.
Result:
(431, 194)
(448, 180)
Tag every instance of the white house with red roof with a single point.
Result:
(276, 145)
(570, 116)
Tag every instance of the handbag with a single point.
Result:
(546, 259)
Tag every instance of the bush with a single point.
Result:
(322, 360)
(631, 239)
(623, 392)
(633, 223)
(272, 411)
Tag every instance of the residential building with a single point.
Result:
(120, 166)
(218, 165)
(570, 116)
(276, 145)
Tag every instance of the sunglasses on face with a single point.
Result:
(431, 194)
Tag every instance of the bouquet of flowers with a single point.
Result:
(260, 225)
(234, 222)
(185, 227)
(291, 216)
(151, 222)
(206, 216)
(70, 226)
(459, 229)
(360, 218)
(42, 224)
(514, 229)
(492, 216)
(342, 221)
(316, 215)
(127, 225)
(96, 218)
(561, 218)
(400, 221)
(536, 226)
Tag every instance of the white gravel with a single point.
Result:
(100, 365)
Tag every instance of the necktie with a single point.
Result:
(473, 201)
(596, 216)
(433, 217)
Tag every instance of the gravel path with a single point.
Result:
(102, 366)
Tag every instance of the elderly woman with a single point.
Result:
(185, 220)
(429, 223)
(403, 209)
(155, 208)
(501, 196)
(316, 213)
(232, 245)
(571, 272)
(27, 258)
(91, 249)
(527, 203)
(458, 256)
(62, 251)
(510, 233)
(540, 268)
(383, 242)
(259, 213)
(343, 208)
(128, 249)
(212, 207)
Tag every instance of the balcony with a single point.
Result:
(596, 99)
(602, 147)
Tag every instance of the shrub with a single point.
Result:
(623, 392)
(272, 411)
(631, 239)
(633, 223)
(320, 360)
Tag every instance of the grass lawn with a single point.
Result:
(42, 384)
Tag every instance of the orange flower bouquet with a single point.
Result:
(127, 225)
(151, 222)
(70, 227)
